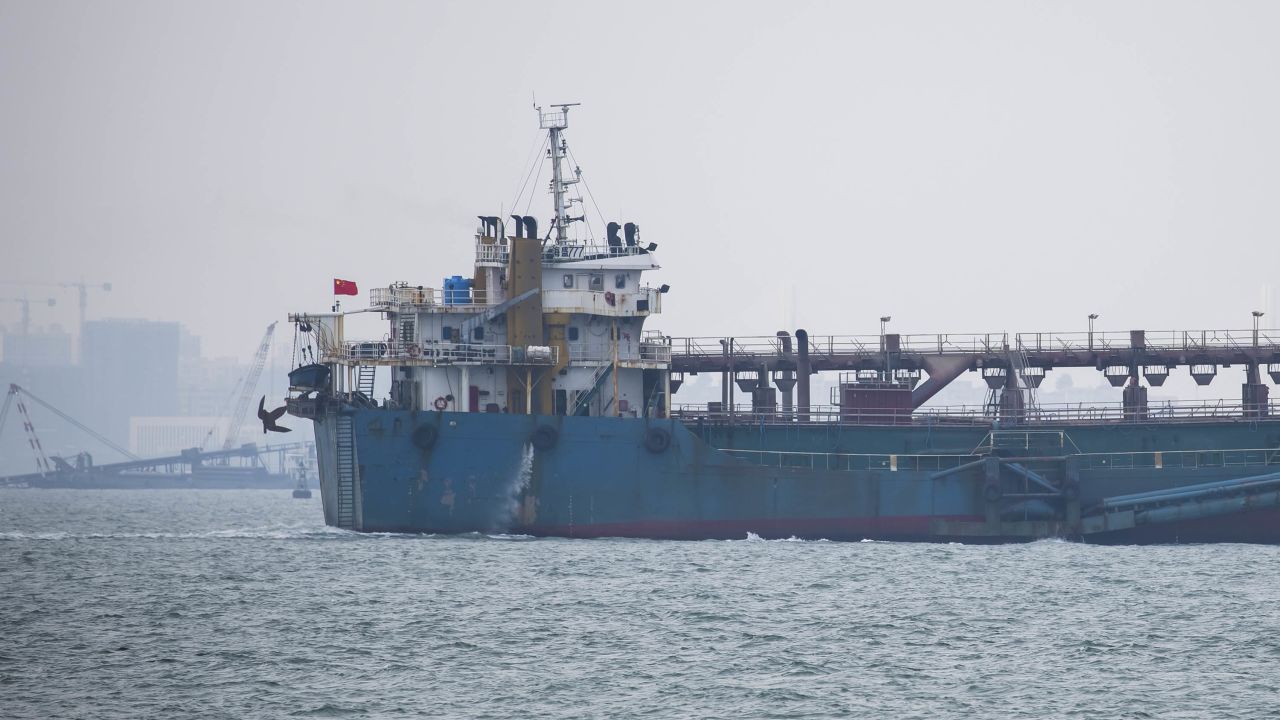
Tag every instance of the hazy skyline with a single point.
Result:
(963, 167)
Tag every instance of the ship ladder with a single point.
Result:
(585, 398)
(1018, 361)
(346, 466)
(364, 379)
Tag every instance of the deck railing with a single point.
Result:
(1049, 414)
(849, 461)
(1174, 459)
(387, 352)
(649, 352)
(986, 343)
(499, 253)
(1178, 459)
(426, 298)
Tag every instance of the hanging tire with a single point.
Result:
(425, 436)
(657, 440)
(992, 493)
(544, 437)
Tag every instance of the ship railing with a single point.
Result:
(921, 344)
(1156, 460)
(848, 462)
(843, 345)
(1179, 459)
(493, 253)
(580, 251)
(418, 298)
(499, 253)
(391, 352)
(983, 415)
(1150, 340)
(648, 352)
(985, 343)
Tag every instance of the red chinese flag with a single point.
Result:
(344, 287)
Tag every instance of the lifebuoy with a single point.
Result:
(657, 440)
(439, 403)
(413, 350)
(425, 436)
(544, 437)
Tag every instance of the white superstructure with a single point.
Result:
(543, 325)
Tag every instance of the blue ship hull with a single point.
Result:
(388, 470)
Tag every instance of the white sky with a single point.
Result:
(964, 167)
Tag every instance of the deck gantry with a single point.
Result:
(888, 368)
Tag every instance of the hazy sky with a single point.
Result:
(962, 166)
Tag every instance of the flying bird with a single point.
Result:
(269, 418)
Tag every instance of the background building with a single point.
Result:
(162, 436)
(130, 369)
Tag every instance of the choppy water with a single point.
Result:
(236, 604)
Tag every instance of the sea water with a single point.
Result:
(242, 604)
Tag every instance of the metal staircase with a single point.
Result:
(492, 313)
(584, 398)
(346, 467)
(1018, 364)
(364, 379)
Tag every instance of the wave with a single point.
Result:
(296, 532)
(752, 537)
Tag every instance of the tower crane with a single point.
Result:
(26, 310)
(83, 288)
(248, 384)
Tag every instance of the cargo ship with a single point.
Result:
(528, 396)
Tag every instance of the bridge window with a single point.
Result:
(568, 281)
(620, 281)
(573, 333)
(597, 281)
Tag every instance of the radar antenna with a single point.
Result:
(555, 121)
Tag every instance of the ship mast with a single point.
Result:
(555, 122)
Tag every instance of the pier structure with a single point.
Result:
(250, 465)
(889, 377)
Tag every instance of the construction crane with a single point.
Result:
(249, 383)
(26, 310)
(43, 465)
(83, 288)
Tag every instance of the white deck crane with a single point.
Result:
(248, 384)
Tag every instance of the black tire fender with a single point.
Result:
(1071, 490)
(544, 437)
(657, 440)
(425, 436)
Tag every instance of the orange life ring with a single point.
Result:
(440, 403)
(413, 350)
